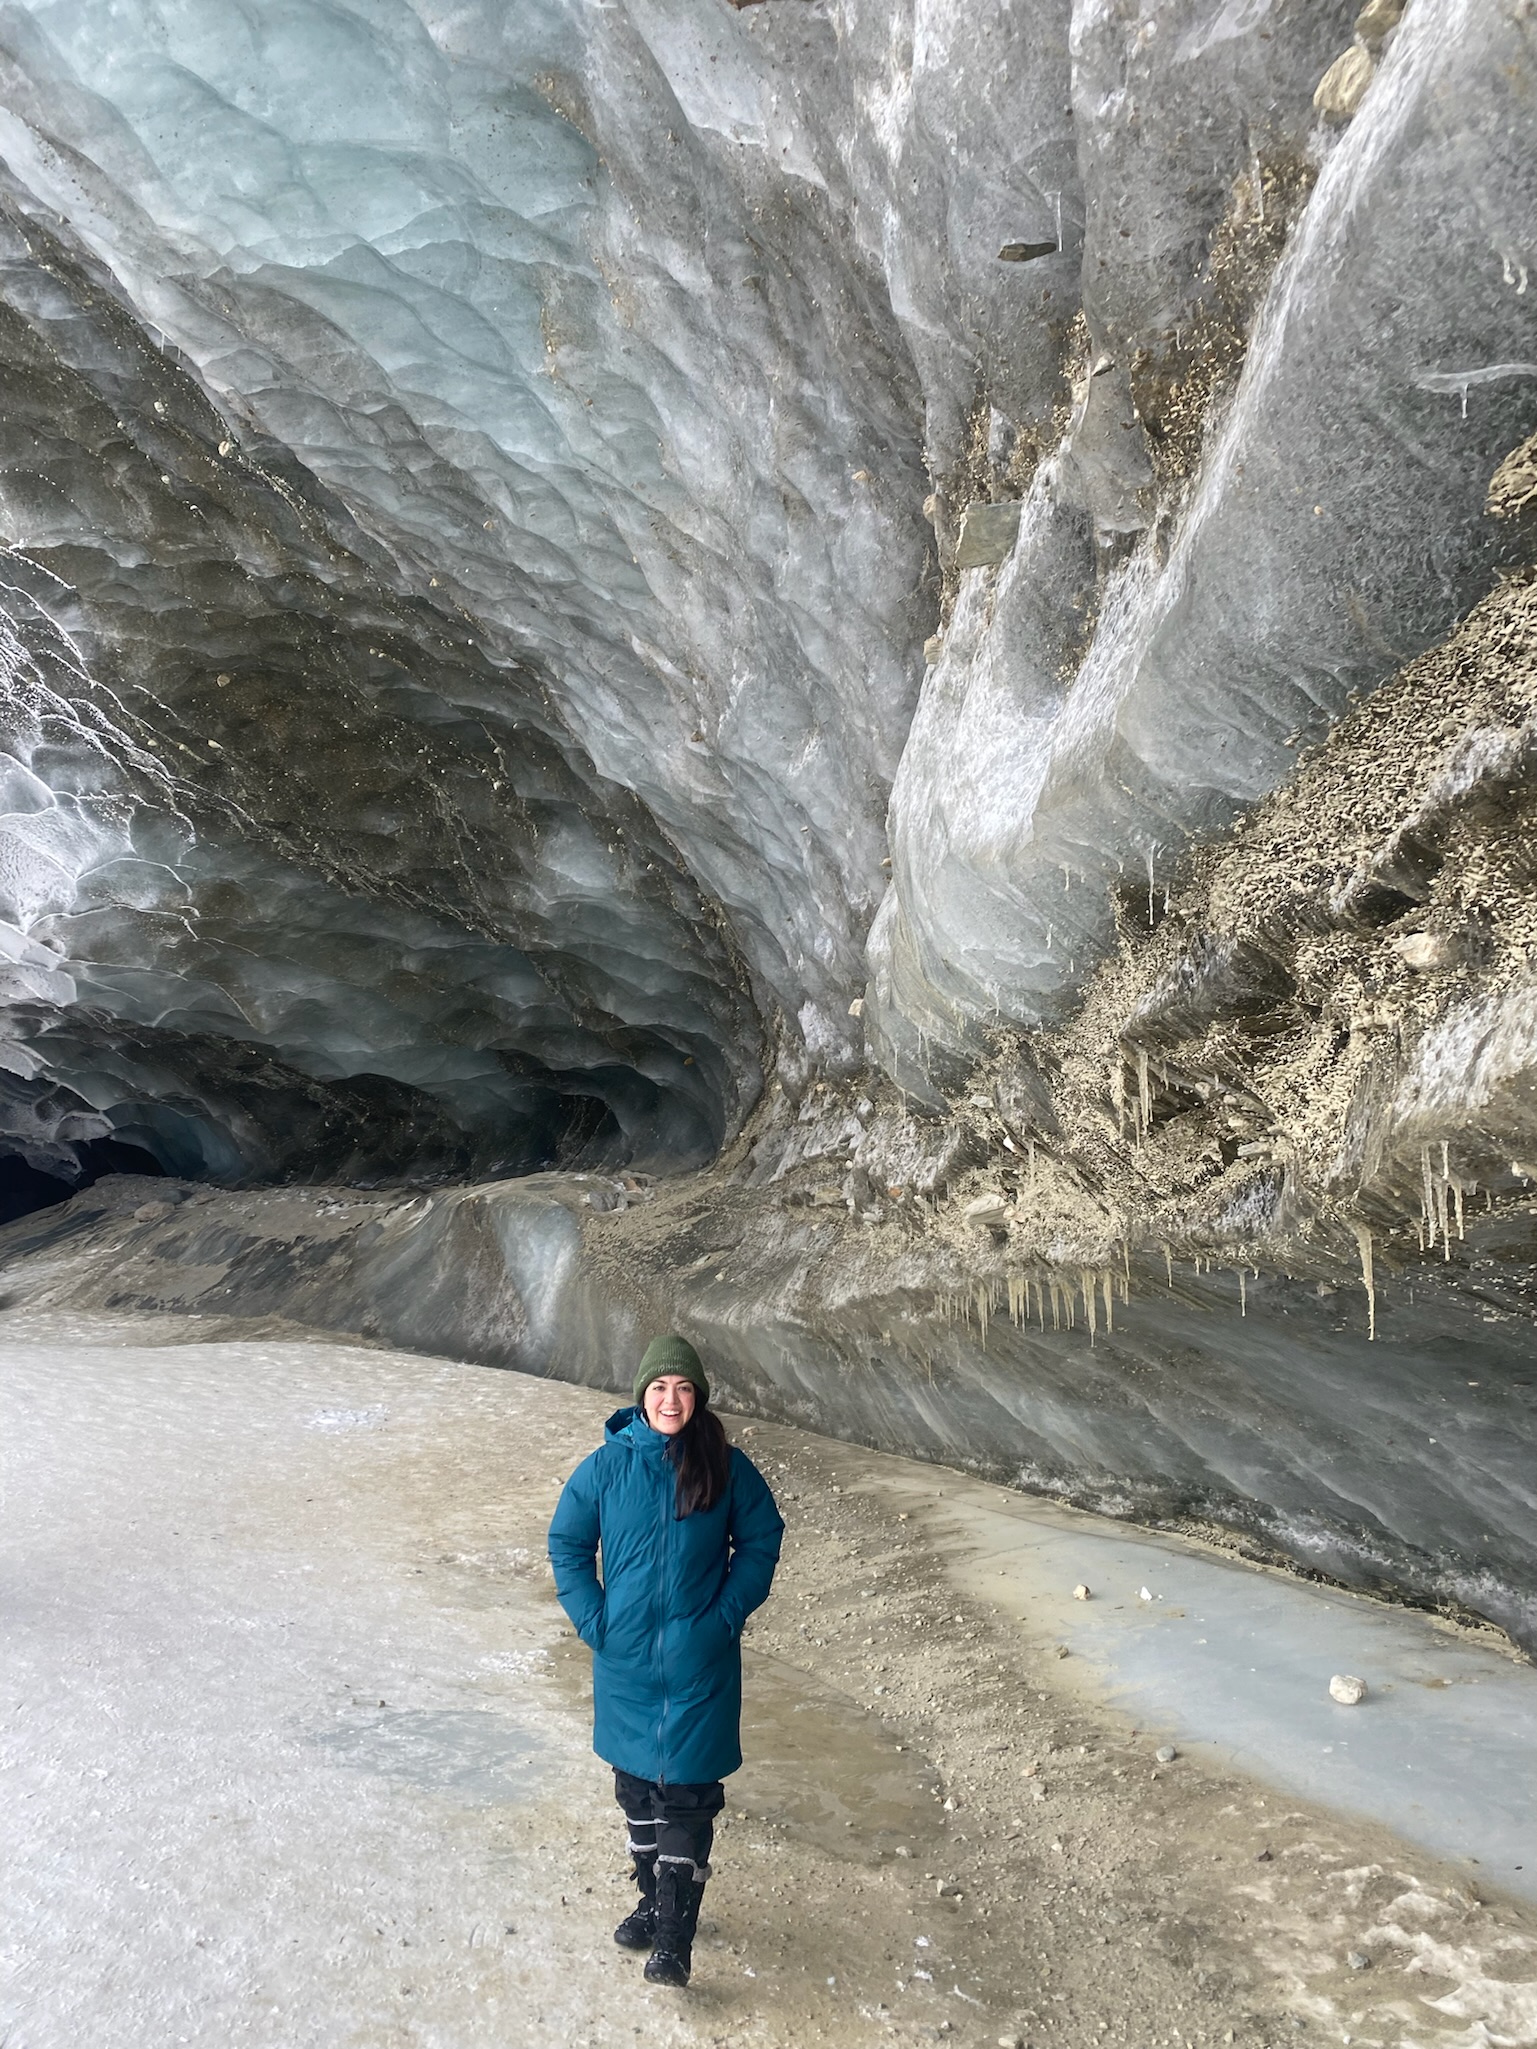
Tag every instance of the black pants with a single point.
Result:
(674, 1824)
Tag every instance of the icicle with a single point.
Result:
(1090, 1303)
(1243, 1294)
(1446, 1175)
(1364, 1244)
(1168, 1263)
(1144, 1096)
(1126, 1256)
(1457, 1197)
(984, 1304)
(1118, 1094)
(1108, 1285)
(1427, 1197)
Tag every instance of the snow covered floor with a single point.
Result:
(295, 1747)
(259, 1776)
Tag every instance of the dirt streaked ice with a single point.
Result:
(296, 1752)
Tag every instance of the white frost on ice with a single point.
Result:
(347, 1419)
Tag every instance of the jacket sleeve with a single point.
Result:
(574, 1534)
(755, 1530)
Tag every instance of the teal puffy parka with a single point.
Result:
(664, 1622)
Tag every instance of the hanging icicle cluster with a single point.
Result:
(1441, 1201)
(1031, 1297)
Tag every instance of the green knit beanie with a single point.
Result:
(670, 1355)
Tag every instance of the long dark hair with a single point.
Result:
(703, 1460)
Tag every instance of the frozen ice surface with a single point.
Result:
(1235, 1662)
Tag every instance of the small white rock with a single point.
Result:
(1165, 1753)
(1144, 1593)
(1347, 1689)
(1080, 1592)
(1425, 950)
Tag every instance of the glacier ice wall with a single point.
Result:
(482, 478)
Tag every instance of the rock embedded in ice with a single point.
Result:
(1343, 85)
(1376, 22)
(988, 534)
(1425, 951)
(1165, 1753)
(1347, 1689)
(1080, 1592)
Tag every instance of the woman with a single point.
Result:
(690, 1538)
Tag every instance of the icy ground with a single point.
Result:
(296, 1747)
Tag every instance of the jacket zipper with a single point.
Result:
(661, 1630)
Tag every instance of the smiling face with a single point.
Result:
(669, 1402)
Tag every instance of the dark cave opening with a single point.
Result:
(25, 1188)
(586, 1134)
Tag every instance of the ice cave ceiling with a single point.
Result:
(478, 481)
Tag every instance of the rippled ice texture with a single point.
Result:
(552, 566)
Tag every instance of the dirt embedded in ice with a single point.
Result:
(299, 1754)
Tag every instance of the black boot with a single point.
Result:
(678, 1893)
(637, 1930)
